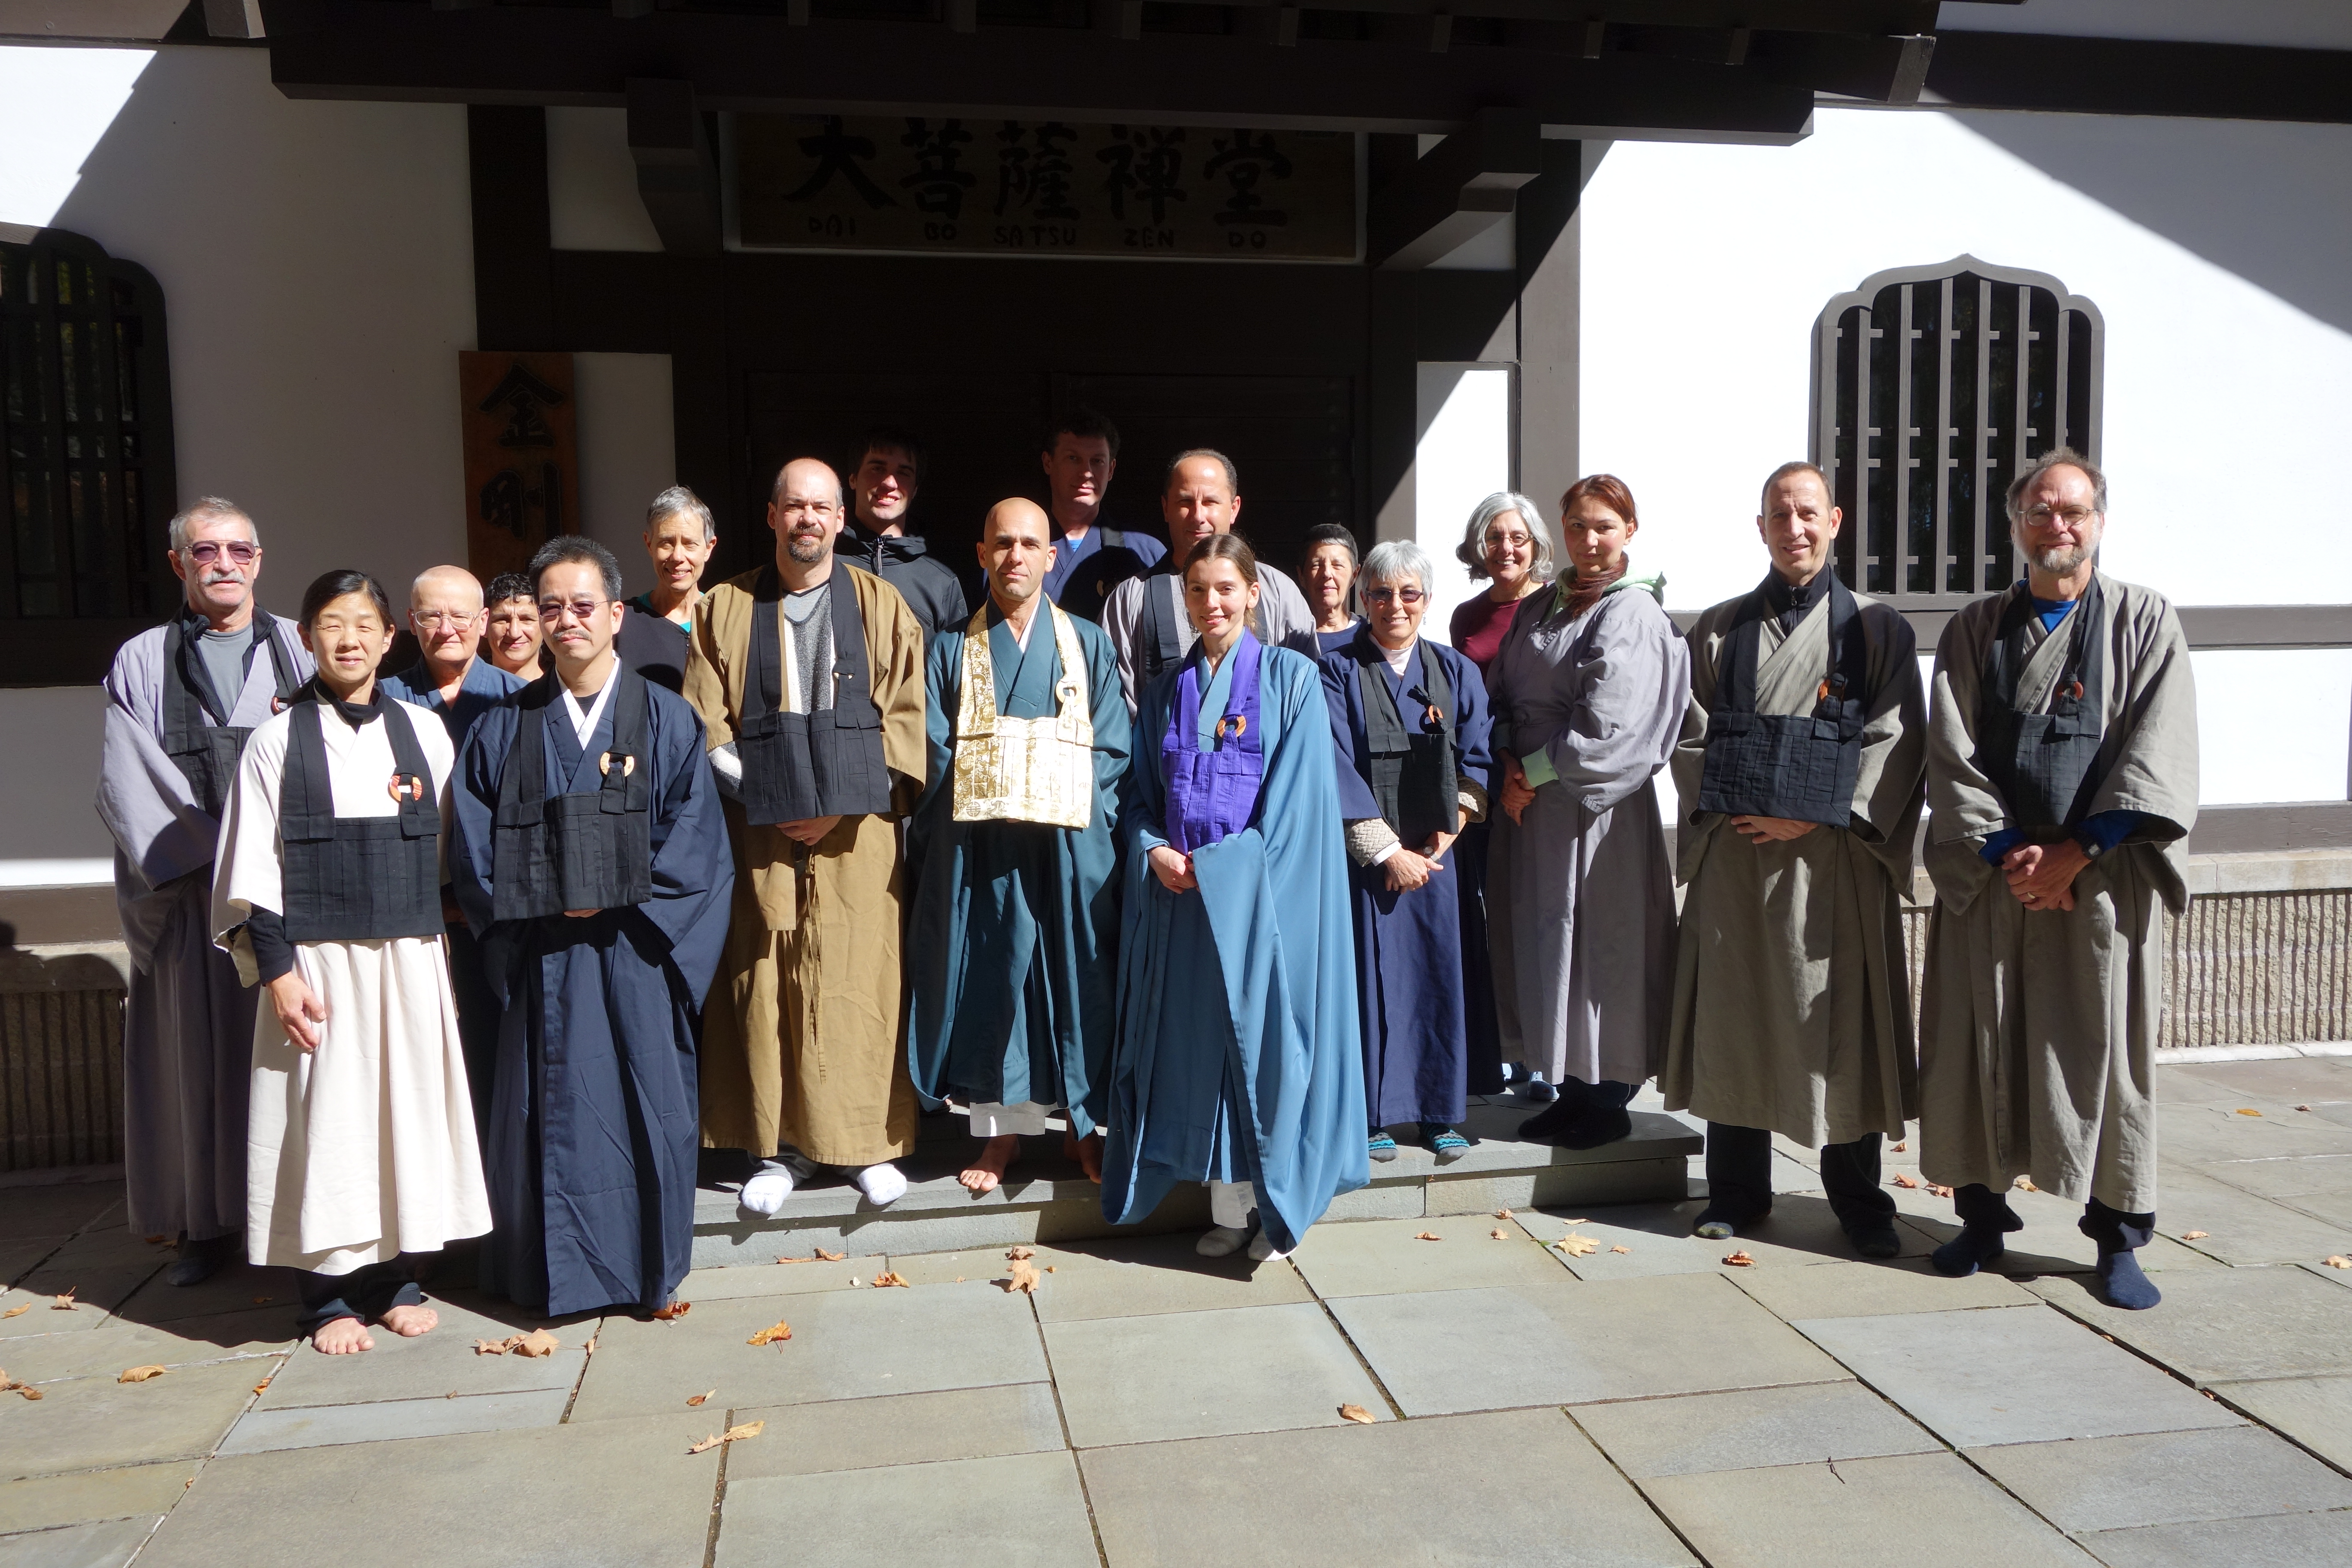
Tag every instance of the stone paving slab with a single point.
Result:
(108, 1246)
(108, 1544)
(2227, 1325)
(115, 1344)
(45, 1503)
(2286, 1181)
(2219, 1132)
(1874, 1289)
(2290, 1078)
(1800, 1231)
(1383, 1257)
(1751, 1428)
(20, 1258)
(429, 1367)
(2011, 1375)
(1448, 1352)
(96, 1293)
(1523, 1487)
(96, 1423)
(2241, 1228)
(2051, 1241)
(777, 1279)
(597, 1494)
(2281, 1540)
(1024, 1509)
(899, 1430)
(1921, 1511)
(846, 1345)
(324, 1426)
(233, 1289)
(1210, 1374)
(1121, 1277)
(58, 1210)
(2167, 1478)
(2316, 1412)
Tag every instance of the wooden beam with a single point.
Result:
(677, 169)
(514, 306)
(1466, 185)
(2135, 76)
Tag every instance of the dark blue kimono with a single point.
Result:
(594, 1126)
(1239, 1058)
(1009, 944)
(483, 687)
(1408, 945)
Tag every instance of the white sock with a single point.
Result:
(1221, 1241)
(883, 1185)
(765, 1192)
(1230, 1204)
(1261, 1247)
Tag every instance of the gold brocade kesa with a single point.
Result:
(1024, 770)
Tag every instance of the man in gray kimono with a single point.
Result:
(2062, 784)
(183, 696)
(1798, 771)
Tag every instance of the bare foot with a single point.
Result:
(1087, 1152)
(343, 1336)
(410, 1322)
(985, 1173)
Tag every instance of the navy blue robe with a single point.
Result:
(483, 687)
(1239, 1058)
(1408, 945)
(1014, 925)
(594, 1126)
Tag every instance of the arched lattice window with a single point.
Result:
(86, 475)
(1932, 386)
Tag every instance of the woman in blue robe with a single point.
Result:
(1410, 717)
(1239, 1060)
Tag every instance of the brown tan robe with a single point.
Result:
(2037, 1028)
(801, 1034)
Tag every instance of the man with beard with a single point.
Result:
(182, 698)
(1149, 628)
(1080, 455)
(809, 673)
(889, 468)
(2062, 785)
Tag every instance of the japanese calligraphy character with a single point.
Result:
(1145, 162)
(1037, 174)
(1246, 158)
(937, 183)
(837, 152)
(526, 399)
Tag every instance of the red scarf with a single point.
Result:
(1578, 595)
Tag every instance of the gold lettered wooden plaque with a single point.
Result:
(523, 460)
(1013, 187)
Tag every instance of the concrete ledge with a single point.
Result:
(2180, 1055)
(1047, 1198)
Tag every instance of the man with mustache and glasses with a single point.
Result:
(809, 673)
(182, 698)
(2062, 784)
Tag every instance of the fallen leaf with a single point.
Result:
(1356, 1413)
(2025, 1184)
(156, 1240)
(747, 1429)
(1427, 1236)
(1740, 1260)
(672, 1312)
(536, 1344)
(1499, 1234)
(2338, 1261)
(2192, 1235)
(262, 1386)
(263, 1300)
(489, 1347)
(770, 1335)
(831, 1256)
(1903, 1181)
(1898, 1148)
(27, 1389)
(891, 1278)
(1018, 1253)
(140, 1374)
(65, 1302)
(2247, 1110)
(1576, 1222)
(1939, 1191)
(2302, 1108)
(17, 1311)
(1621, 1249)
(1051, 1267)
(959, 1279)
(590, 1348)
(1023, 1277)
(1577, 1246)
(1502, 1214)
(853, 1281)
(693, 1400)
(705, 1445)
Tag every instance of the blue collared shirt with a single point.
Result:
(484, 686)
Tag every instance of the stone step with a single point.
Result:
(1045, 1197)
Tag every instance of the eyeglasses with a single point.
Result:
(204, 551)
(551, 610)
(1402, 595)
(2045, 517)
(434, 620)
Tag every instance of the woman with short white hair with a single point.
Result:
(1410, 717)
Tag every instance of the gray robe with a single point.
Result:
(1580, 894)
(1281, 619)
(187, 1025)
(2036, 1058)
(1792, 999)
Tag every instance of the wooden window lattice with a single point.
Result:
(86, 466)
(1932, 387)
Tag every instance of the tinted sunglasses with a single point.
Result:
(205, 551)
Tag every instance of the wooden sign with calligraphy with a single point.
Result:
(1043, 187)
(523, 460)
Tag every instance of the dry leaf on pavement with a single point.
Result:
(831, 1256)
(2338, 1261)
(1621, 1249)
(1022, 1277)
(158, 1240)
(65, 1302)
(693, 1400)
(1356, 1413)
(1499, 1234)
(490, 1347)
(774, 1334)
(892, 1278)
(1935, 1190)
(732, 1435)
(2247, 1110)
(2025, 1184)
(1898, 1148)
(1051, 1267)
(589, 1348)
(1427, 1236)
(534, 1345)
(1740, 1260)
(17, 1311)
(1577, 1246)
(262, 1386)
(672, 1312)
(1502, 1214)
(2302, 1108)
(1018, 1253)
(1903, 1181)
(10, 1385)
(140, 1374)
(2192, 1235)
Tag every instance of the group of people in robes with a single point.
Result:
(1229, 882)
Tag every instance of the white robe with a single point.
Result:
(363, 1149)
